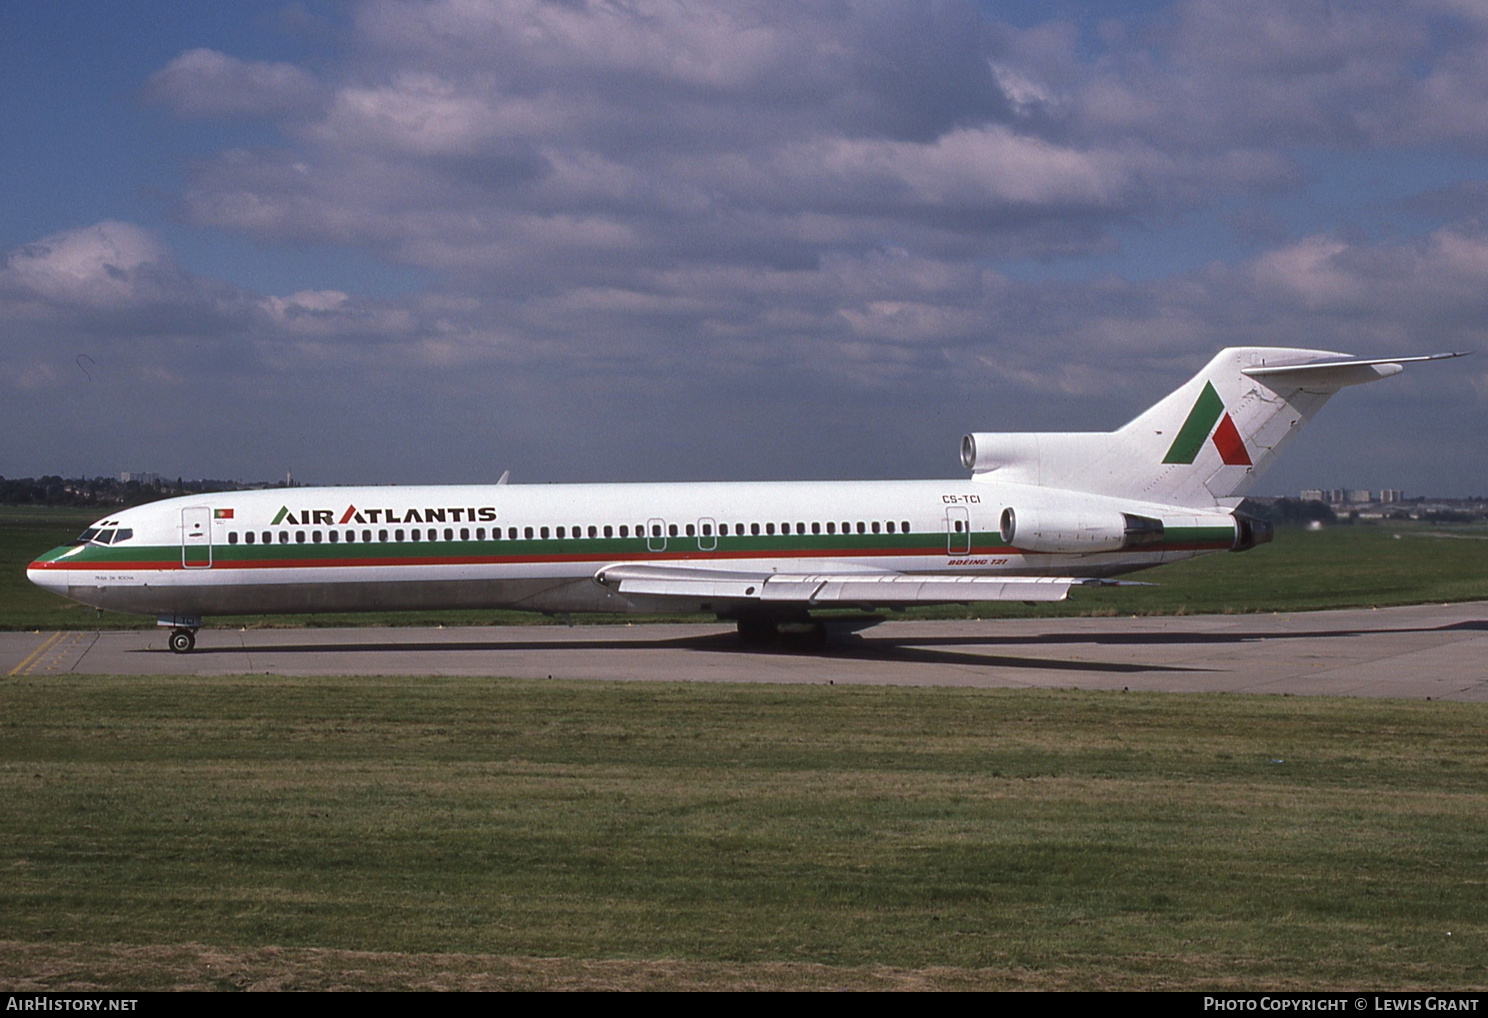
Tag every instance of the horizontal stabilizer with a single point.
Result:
(828, 589)
(1335, 374)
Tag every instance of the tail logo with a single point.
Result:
(1208, 410)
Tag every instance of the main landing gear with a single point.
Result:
(182, 639)
(790, 633)
(800, 634)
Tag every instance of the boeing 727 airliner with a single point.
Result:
(1039, 514)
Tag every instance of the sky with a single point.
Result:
(429, 241)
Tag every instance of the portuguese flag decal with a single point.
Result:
(1208, 410)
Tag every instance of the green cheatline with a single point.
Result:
(1201, 418)
(568, 549)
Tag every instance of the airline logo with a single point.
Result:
(329, 517)
(1209, 411)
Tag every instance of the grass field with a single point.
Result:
(229, 832)
(1339, 567)
(381, 833)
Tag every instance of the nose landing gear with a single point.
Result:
(182, 639)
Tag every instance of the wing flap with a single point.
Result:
(827, 589)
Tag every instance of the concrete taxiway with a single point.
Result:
(1436, 651)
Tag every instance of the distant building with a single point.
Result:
(125, 476)
(1351, 496)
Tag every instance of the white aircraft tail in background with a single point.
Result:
(1204, 445)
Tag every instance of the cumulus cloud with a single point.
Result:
(99, 266)
(207, 83)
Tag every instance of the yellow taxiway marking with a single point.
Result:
(46, 645)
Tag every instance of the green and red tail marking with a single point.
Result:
(1208, 410)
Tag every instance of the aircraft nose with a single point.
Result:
(45, 575)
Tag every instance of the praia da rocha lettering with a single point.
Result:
(329, 517)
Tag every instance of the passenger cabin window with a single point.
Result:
(608, 531)
(315, 537)
(333, 535)
(413, 535)
(382, 535)
(248, 537)
(831, 527)
(875, 526)
(232, 537)
(398, 535)
(299, 537)
(283, 537)
(624, 530)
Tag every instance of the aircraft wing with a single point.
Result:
(832, 589)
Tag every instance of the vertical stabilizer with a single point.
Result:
(1215, 435)
(1204, 444)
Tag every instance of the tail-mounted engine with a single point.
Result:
(1250, 532)
(1077, 532)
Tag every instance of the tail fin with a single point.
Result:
(1203, 445)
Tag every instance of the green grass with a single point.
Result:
(502, 833)
(1338, 567)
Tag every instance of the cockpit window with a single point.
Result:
(104, 535)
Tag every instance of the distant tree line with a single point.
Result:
(107, 491)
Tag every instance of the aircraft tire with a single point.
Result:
(182, 641)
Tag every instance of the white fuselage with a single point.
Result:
(542, 547)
